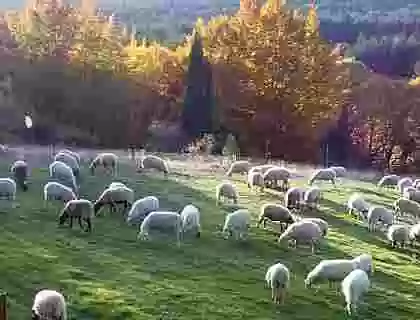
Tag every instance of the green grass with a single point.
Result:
(110, 275)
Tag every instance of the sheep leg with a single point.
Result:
(89, 225)
(71, 222)
(281, 295)
(273, 294)
(80, 222)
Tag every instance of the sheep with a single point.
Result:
(405, 206)
(154, 162)
(379, 214)
(398, 233)
(226, 190)
(390, 180)
(411, 194)
(303, 232)
(72, 153)
(240, 167)
(354, 285)
(255, 179)
(114, 196)
(163, 221)
(274, 175)
(322, 224)
(107, 160)
(190, 217)
(237, 224)
(141, 208)
(414, 234)
(312, 197)
(69, 160)
(63, 174)
(340, 172)
(57, 191)
(277, 278)
(49, 305)
(80, 209)
(323, 175)
(404, 183)
(357, 204)
(7, 189)
(293, 197)
(275, 212)
(20, 172)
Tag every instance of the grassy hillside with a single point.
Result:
(110, 275)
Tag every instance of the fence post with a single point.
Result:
(3, 306)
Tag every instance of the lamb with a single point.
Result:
(80, 209)
(293, 197)
(141, 208)
(240, 167)
(255, 179)
(322, 224)
(323, 175)
(312, 197)
(69, 160)
(277, 278)
(57, 191)
(190, 217)
(113, 197)
(404, 183)
(63, 174)
(7, 189)
(163, 221)
(274, 175)
(237, 224)
(226, 190)
(20, 172)
(379, 214)
(154, 162)
(405, 206)
(354, 285)
(303, 232)
(340, 172)
(72, 153)
(414, 233)
(390, 180)
(398, 233)
(357, 204)
(275, 212)
(49, 305)
(107, 160)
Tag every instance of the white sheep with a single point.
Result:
(72, 153)
(80, 209)
(390, 180)
(404, 183)
(49, 305)
(106, 160)
(63, 174)
(154, 162)
(240, 167)
(190, 217)
(340, 172)
(237, 224)
(226, 190)
(57, 191)
(398, 234)
(378, 214)
(354, 285)
(277, 176)
(293, 197)
(141, 208)
(162, 221)
(303, 232)
(312, 197)
(414, 233)
(322, 224)
(69, 160)
(323, 175)
(357, 204)
(20, 173)
(8, 190)
(275, 212)
(255, 179)
(277, 278)
(113, 197)
(405, 206)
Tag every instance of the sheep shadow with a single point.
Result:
(374, 192)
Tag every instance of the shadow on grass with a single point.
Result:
(376, 193)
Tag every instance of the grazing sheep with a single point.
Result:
(113, 197)
(322, 224)
(69, 160)
(354, 285)
(141, 208)
(163, 221)
(108, 161)
(237, 224)
(357, 204)
(405, 206)
(226, 190)
(190, 217)
(255, 179)
(20, 172)
(154, 162)
(398, 234)
(80, 209)
(387, 181)
(72, 153)
(340, 172)
(275, 212)
(414, 233)
(63, 174)
(7, 189)
(404, 183)
(240, 167)
(277, 278)
(49, 305)
(312, 197)
(57, 191)
(276, 175)
(293, 197)
(303, 232)
(323, 175)
(378, 214)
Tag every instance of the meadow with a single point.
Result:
(110, 275)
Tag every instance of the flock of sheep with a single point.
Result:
(146, 213)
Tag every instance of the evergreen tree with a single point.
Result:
(197, 115)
